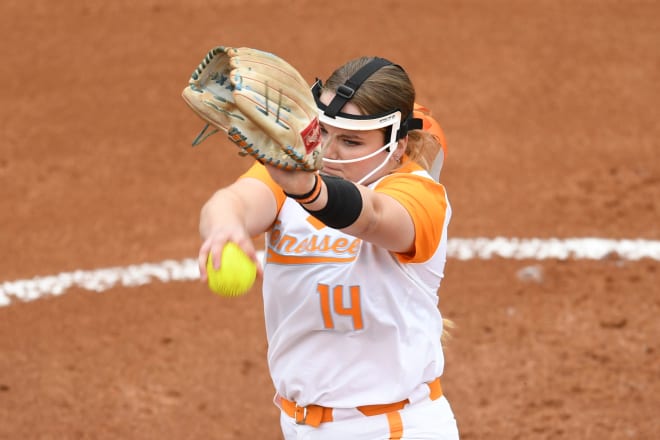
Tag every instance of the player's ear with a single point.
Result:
(401, 146)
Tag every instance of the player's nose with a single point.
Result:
(328, 146)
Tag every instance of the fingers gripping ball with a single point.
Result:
(236, 274)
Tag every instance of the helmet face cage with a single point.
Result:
(331, 114)
(359, 123)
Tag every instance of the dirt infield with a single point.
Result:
(550, 109)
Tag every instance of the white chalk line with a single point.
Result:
(459, 248)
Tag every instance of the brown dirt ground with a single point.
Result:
(550, 108)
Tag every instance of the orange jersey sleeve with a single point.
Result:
(259, 172)
(426, 202)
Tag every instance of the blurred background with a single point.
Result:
(550, 109)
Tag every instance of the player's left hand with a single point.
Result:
(262, 103)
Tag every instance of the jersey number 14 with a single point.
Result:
(333, 304)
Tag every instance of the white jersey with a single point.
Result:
(349, 323)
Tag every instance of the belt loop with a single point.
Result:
(428, 390)
(311, 415)
(435, 389)
(300, 414)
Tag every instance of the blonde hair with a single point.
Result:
(422, 148)
(447, 326)
(386, 90)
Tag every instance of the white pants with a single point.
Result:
(423, 420)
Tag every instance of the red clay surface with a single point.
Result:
(550, 109)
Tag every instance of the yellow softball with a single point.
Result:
(236, 274)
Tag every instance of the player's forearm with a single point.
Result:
(354, 209)
(224, 209)
(247, 207)
(363, 213)
(383, 221)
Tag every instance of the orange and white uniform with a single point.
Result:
(349, 323)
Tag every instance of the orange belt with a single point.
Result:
(314, 415)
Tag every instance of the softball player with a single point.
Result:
(354, 259)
